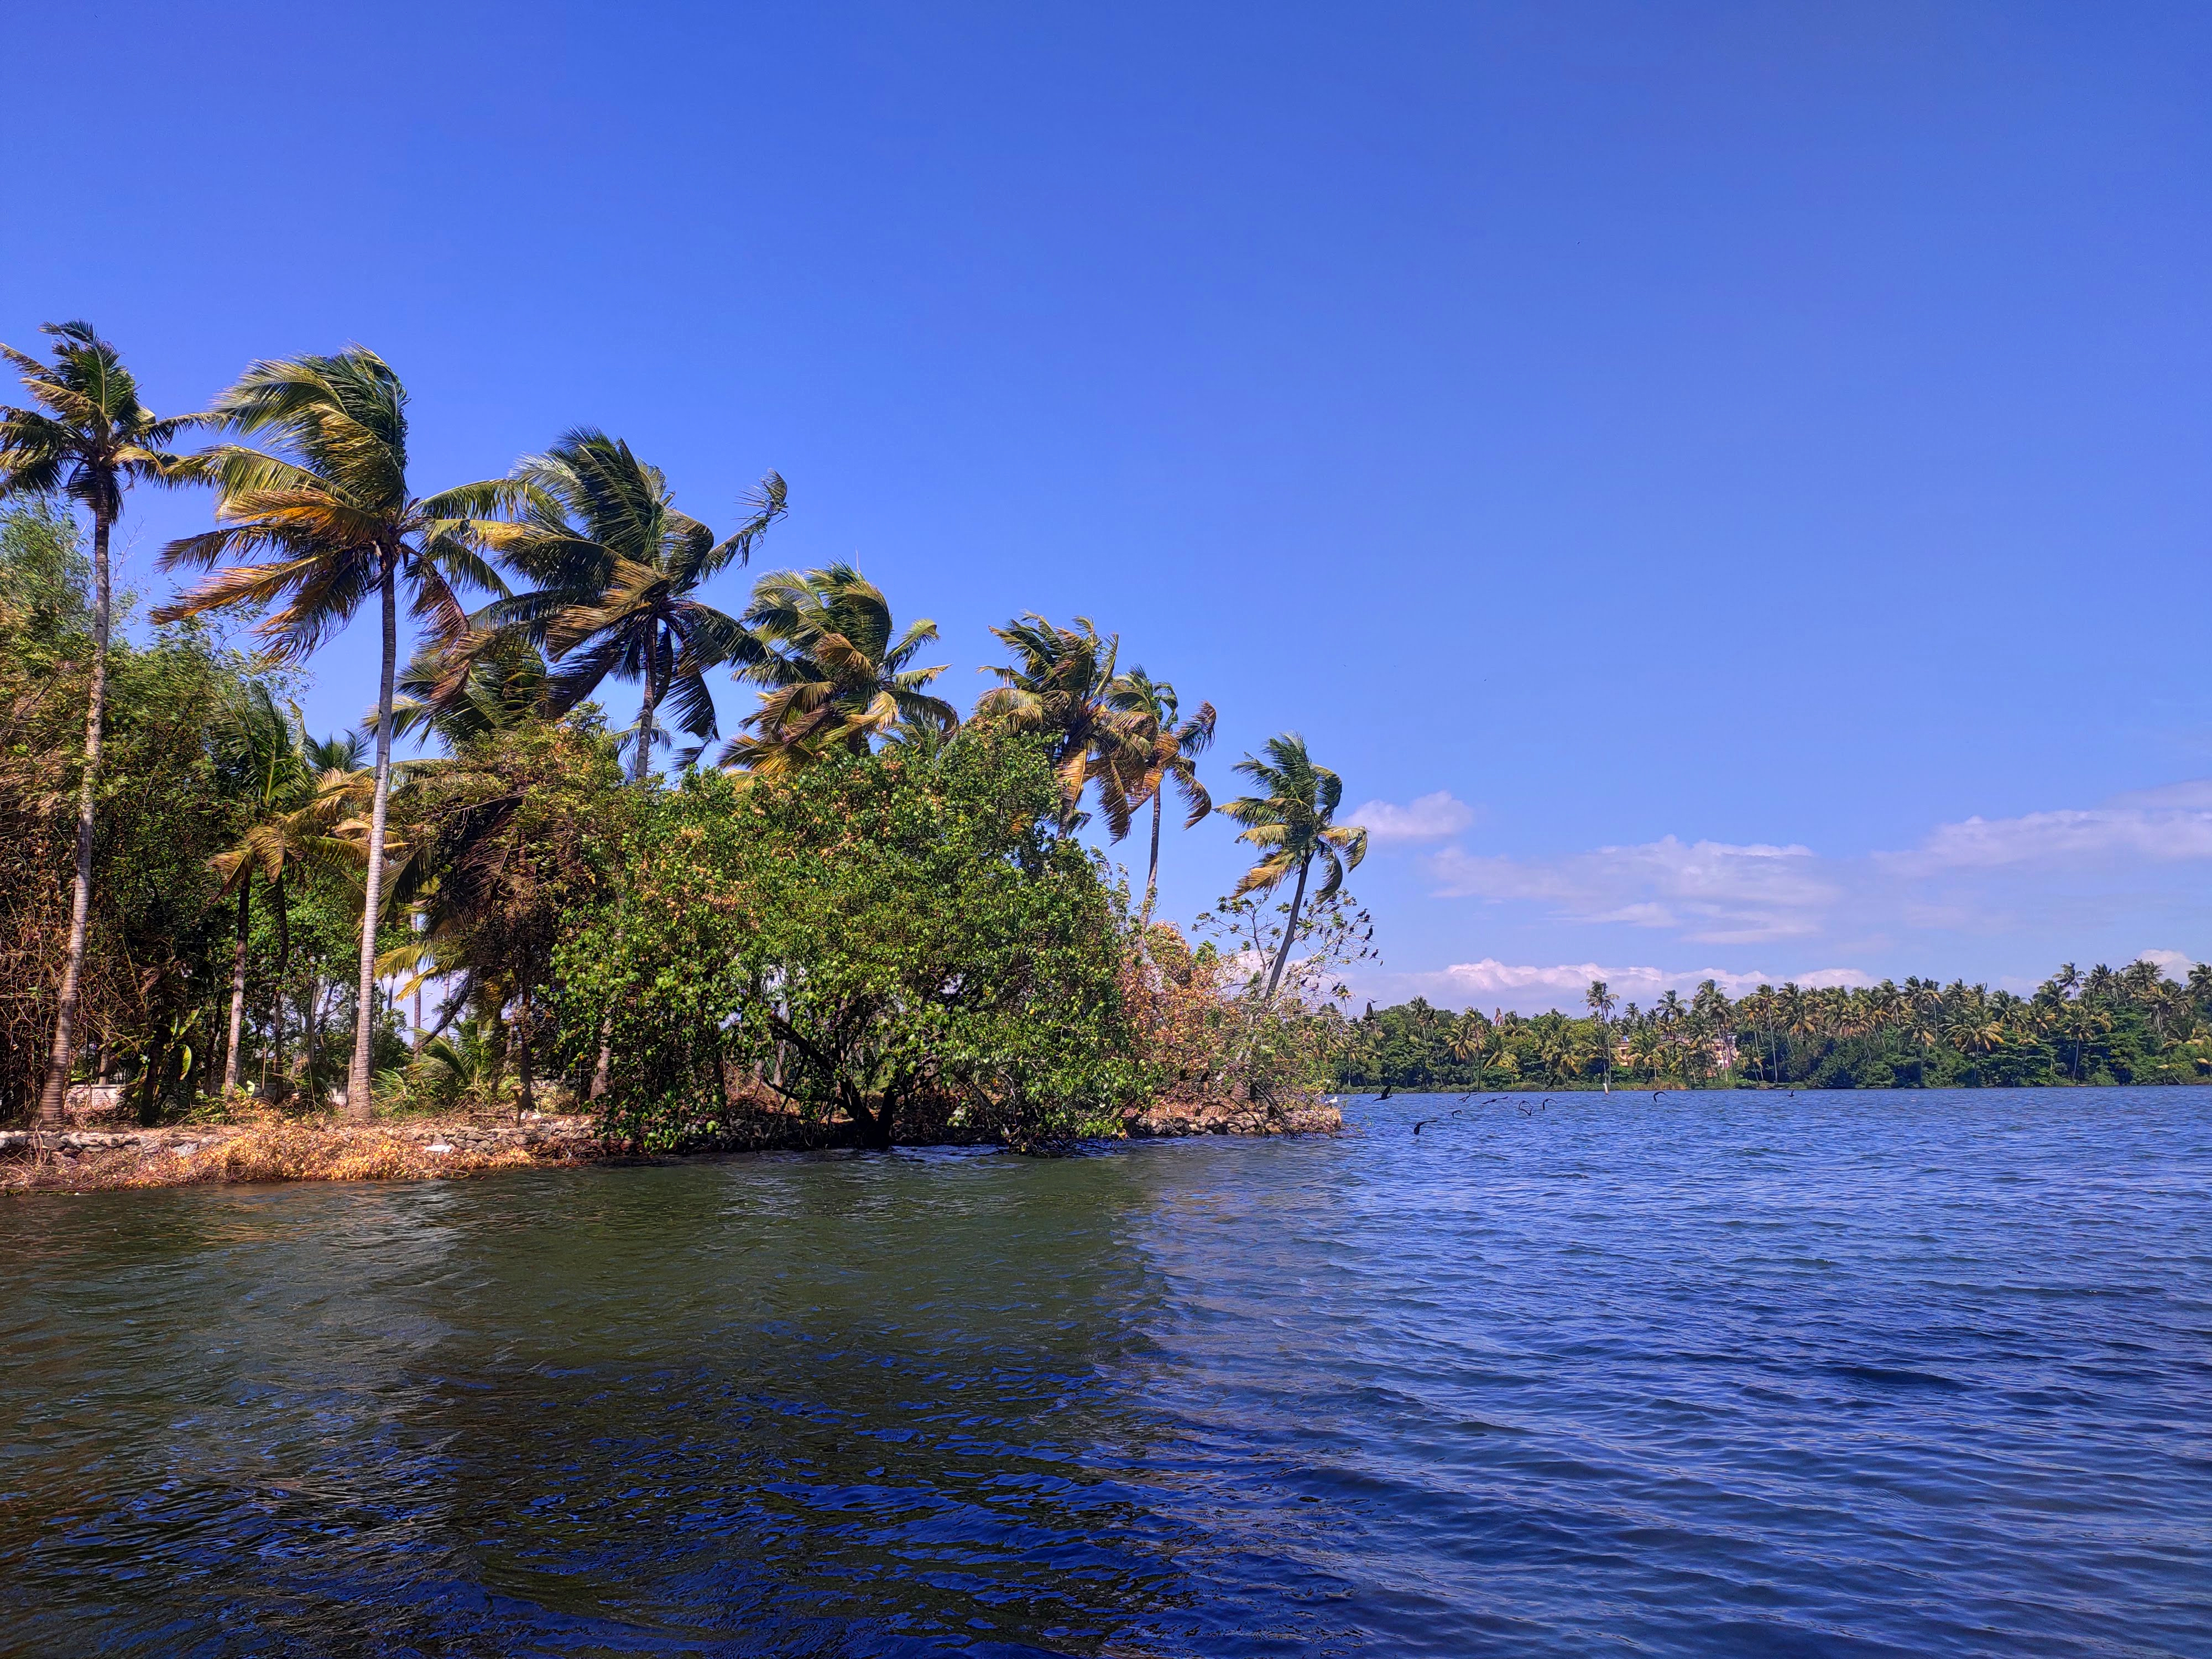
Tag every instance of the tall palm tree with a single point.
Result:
(833, 672)
(1293, 825)
(1161, 750)
(89, 439)
(1063, 684)
(1601, 1002)
(261, 752)
(614, 571)
(323, 521)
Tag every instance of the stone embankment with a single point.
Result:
(1234, 1117)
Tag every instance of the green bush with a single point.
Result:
(892, 942)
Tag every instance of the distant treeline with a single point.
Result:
(2108, 1026)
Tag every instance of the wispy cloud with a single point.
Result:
(1437, 816)
(1711, 892)
(2142, 830)
(1723, 893)
(2051, 880)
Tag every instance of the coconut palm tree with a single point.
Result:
(833, 672)
(1469, 1039)
(1161, 750)
(1293, 825)
(89, 439)
(1063, 684)
(614, 571)
(322, 522)
(1601, 1002)
(261, 751)
(275, 768)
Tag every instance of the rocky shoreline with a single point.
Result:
(272, 1148)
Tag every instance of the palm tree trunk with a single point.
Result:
(1290, 930)
(358, 1106)
(602, 1067)
(492, 1034)
(525, 1099)
(1152, 873)
(283, 975)
(230, 1059)
(645, 712)
(55, 1093)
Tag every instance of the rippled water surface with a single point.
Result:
(1846, 1374)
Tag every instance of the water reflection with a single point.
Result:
(639, 1407)
(1917, 1376)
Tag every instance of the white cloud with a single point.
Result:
(2174, 964)
(1711, 892)
(1432, 817)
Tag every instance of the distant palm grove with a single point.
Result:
(857, 907)
(2128, 1025)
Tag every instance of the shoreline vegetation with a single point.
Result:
(2107, 1027)
(859, 915)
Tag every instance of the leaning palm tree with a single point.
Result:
(1062, 684)
(613, 572)
(1161, 750)
(89, 439)
(834, 671)
(1293, 825)
(323, 521)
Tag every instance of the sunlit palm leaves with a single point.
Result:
(316, 525)
(834, 671)
(90, 438)
(1062, 684)
(613, 571)
(1292, 823)
(1160, 749)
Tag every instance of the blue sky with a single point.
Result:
(1741, 470)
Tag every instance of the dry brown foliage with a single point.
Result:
(272, 1149)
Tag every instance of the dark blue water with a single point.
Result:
(1917, 1374)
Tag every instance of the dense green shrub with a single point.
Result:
(890, 941)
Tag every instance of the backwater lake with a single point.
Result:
(1852, 1374)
